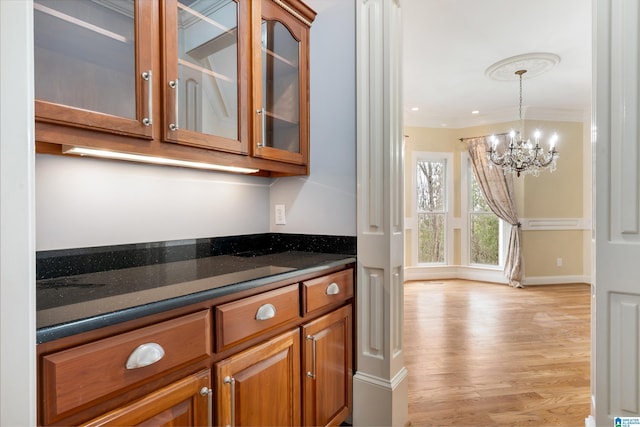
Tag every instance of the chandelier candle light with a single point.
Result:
(521, 156)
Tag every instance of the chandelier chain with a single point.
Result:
(521, 96)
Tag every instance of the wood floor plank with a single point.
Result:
(482, 354)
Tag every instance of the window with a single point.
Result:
(481, 236)
(486, 230)
(431, 209)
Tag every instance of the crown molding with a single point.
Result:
(499, 116)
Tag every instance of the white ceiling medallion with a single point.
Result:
(535, 63)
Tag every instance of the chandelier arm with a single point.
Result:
(548, 161)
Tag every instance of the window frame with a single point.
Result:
(447, 158)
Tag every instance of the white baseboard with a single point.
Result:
(484, 275)
(556, 280)
(454, 272)
(590, 421)
(430, 273)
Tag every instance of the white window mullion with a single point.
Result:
(465, 235)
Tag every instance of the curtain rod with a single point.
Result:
(484, 136)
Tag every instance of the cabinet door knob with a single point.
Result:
(265, 312)
(145, 355)
(333, 289)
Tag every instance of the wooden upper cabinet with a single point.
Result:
(281, 80)
(205, 85)
(93, 66)
(223, 82)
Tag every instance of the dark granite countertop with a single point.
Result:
(80, 290)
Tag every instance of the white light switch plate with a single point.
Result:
(280, 215)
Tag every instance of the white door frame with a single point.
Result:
(17, 216)
(380, 383)
(615, 380)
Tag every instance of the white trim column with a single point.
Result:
(380, 386)
(17, 216)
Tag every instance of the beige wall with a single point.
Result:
(542, 249)
(557, 195)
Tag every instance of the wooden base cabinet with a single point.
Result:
(261, 385)
(283, 357)
(184, 403)
(327, 356)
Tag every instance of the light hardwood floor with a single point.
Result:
(482, 354)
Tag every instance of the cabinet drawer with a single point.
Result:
(242, 319)
(327, 290)
(82, 374)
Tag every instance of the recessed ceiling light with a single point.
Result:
(414, 108)
(475, 112)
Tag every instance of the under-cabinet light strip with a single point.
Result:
(80, 23)
(82, 151)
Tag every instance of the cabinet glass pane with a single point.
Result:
(208, 67)
(84, 54)
(280, 86)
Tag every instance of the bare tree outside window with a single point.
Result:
(431, 211)
(484, 228)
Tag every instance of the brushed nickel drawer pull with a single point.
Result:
(262, 115)
(206, 391)
(265, 312)
(173, 84)
(145, 355)
(148, 77)
(232, 382)
(312, 374)
(333, 289)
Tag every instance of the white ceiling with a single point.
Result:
(448, 45)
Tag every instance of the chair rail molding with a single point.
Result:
(546, 224)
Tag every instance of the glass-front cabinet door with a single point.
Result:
(206, 87)
(92, 64)
(281, 84)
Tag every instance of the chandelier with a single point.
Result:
(521, 156)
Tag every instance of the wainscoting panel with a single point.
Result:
(544, 224)
(624, 354)
(374, 289)
(625, 68)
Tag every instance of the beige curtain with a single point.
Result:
(497, 188)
